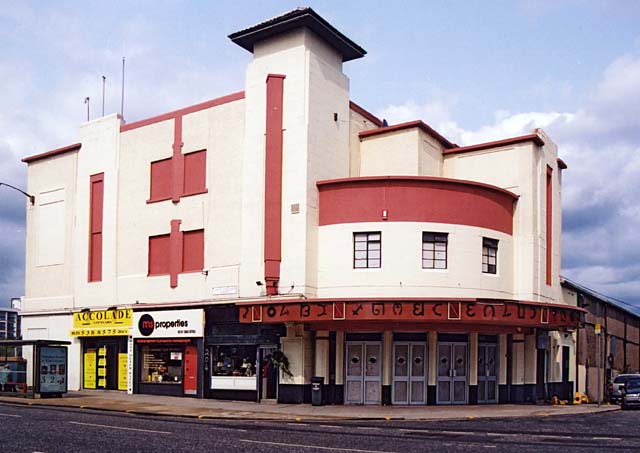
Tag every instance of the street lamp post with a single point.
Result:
(31, 198)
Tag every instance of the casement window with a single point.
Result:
(367, 250)
(192, 253)
(489, 255)
(434, 250)
(191, 176)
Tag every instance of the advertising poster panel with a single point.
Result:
(52, 369)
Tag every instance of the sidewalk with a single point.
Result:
(215, 409)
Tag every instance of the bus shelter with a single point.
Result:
(33, 367)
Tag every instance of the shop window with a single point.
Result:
(234, 360)
(195, 172)
(489, 255)
(193, 251)
(159, 255)
(161, 176)
(367, 250)
(161, 365)
(434, 250)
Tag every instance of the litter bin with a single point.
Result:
(316, 391)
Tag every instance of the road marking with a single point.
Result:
(502, 434)
(366, 427)
(328, 426)
(9, 415)
(606, 438)
(121, 427)
(314, 447)
(298, 424)
(490, 446)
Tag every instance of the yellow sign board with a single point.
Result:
(104, 332)
(598, 328)
(90, 370)
(123, 371)
(122, 317)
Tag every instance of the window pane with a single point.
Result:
(441, 246)
(485, 259)
(427, 237)
(193, 251)
(360, 246)
(374, 246)
(374, 263)
(427, 264)
(360, 237)
(440, 265)
(428, 246)
(485, 268)
(195, 171)
(374, 236)
(441, 255)
(374, 254)
(360, 263)
(360, 254)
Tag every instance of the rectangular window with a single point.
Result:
(193, 251)
(489, 255)
(159, 255)
(161, 176)
(195, 172)
(367, 250)
(96, 200)
(434, 250)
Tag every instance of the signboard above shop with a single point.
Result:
(102, 323)
(168, 324)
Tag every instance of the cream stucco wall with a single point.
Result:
(401, 274)
(315, 147)
(217, 211)
(50, 287)
(521, 169)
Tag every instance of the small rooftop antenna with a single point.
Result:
(122, 94)
(104, 81)
(86, 101)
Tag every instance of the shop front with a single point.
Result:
(417, 352)
(103, 335)
(168, 346)
(241, 361)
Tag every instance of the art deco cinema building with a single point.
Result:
(239, 247)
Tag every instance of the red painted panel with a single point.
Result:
(178, 162)
(549, 209)
(193, 251)
(161, 176)
(96, 206)
(195, 172)
(175, 251)
(191, 370)
(416, 199)
(273, 183)
(95, 258)
(159, 256)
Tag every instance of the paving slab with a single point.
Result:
(217, 409)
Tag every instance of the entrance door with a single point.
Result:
(409, 373)
(487, 373)
(452, 373)
(363, 372)
(108, 366)
(268, 374)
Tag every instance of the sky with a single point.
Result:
(474, 70)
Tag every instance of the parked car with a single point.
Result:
(618, 384)
(631, 394)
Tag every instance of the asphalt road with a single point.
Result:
(37, 429)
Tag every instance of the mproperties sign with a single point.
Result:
(168, 324)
